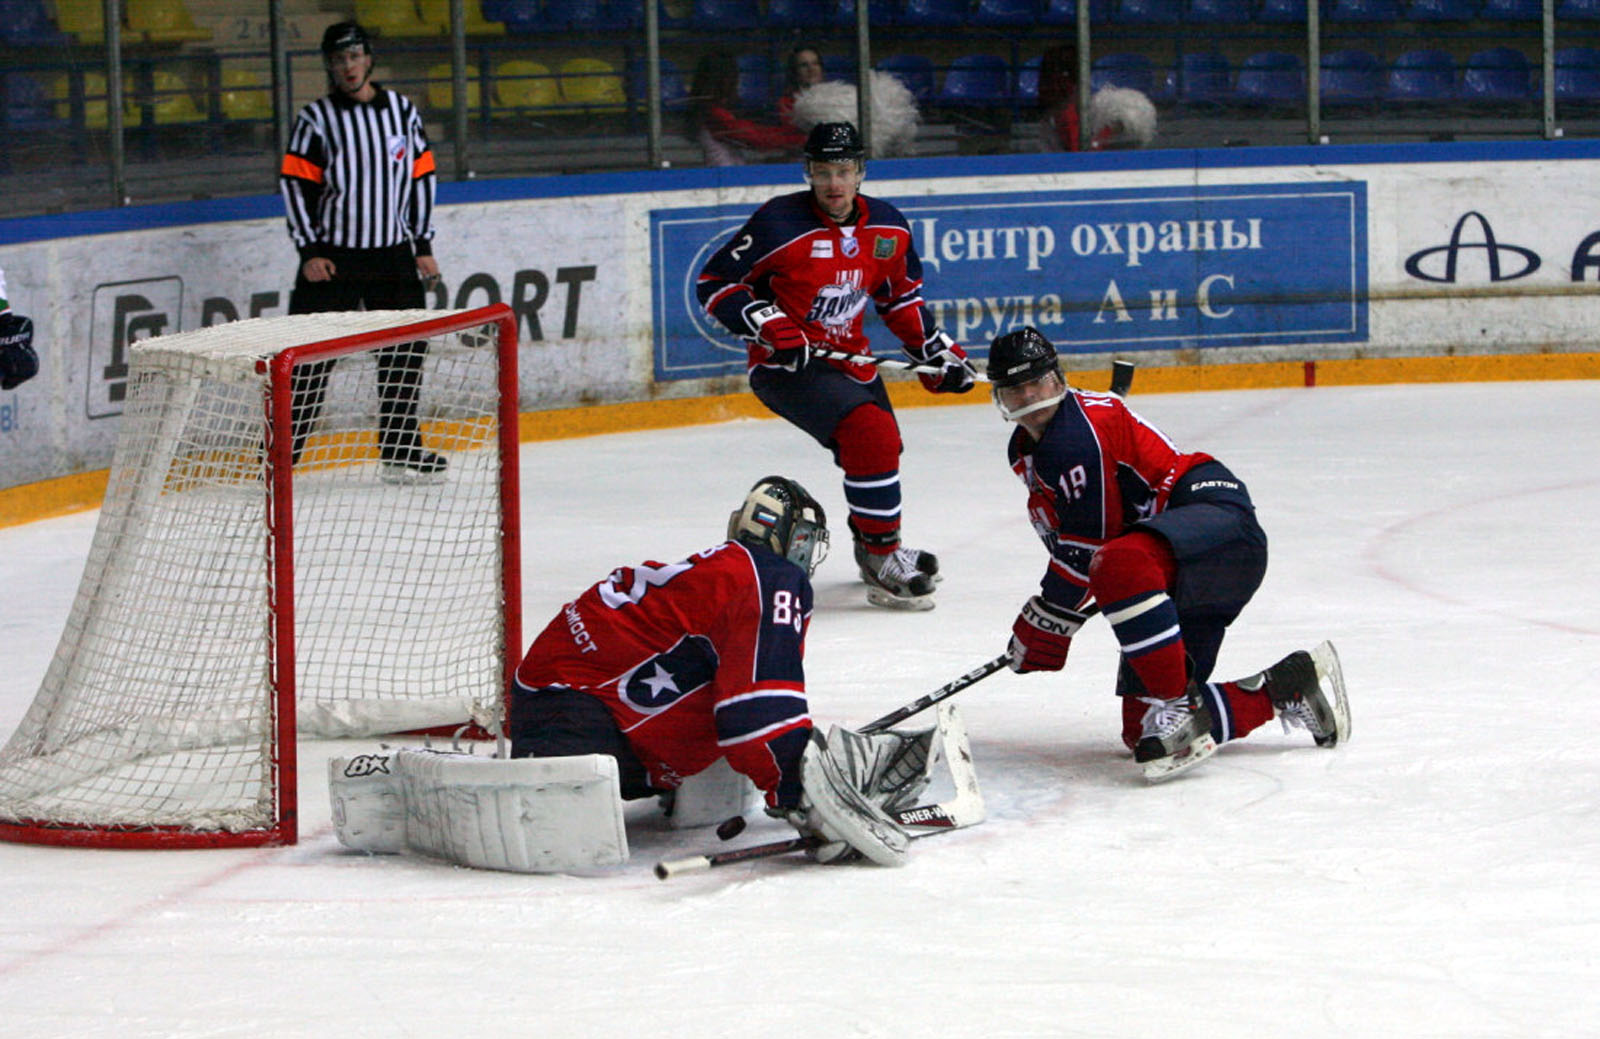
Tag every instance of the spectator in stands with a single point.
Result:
(358, 184)
(728, 139)
(1059, 116)
(18, 362)
(805, 70)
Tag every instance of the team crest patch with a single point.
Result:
(397, 147)
(849, 246)
(882, 248)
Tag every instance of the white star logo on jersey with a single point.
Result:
(660, 680)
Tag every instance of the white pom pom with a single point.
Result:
(894, 111)
(1128, 111)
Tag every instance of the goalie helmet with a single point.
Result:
(780, 516)
(1016, 359)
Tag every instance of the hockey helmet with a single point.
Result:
(342, 36)
(1021, 357)
(780, 516)
(834, 142)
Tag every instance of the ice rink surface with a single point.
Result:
(1439, 875)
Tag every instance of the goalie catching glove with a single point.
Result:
(957, 375)
(786, 343)
(1041, 636)
(835, 812)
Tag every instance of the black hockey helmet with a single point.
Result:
(780, 516)
(342, 36)
(834, 142)
(1021, 356)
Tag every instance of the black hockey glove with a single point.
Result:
(778, 333)
(957, 376)
(18, 362)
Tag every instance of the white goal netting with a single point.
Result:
(161, 706)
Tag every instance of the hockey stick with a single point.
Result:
(885, 362)
(1121, 377)
(944, 692)
(669, 868)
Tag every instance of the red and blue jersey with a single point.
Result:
(821, 274)
(1097, 469)
(695, 660)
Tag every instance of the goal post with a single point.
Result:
(310, 529)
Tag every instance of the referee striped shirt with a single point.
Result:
(358, 175)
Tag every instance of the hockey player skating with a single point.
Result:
(802, 271)
(668, 667)
(1167, 544)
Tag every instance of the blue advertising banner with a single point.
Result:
(1095, 271)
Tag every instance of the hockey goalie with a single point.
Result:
(680, 681)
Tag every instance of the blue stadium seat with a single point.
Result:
(1065, 12)
(1123, 70)
(755, 81)
(797, 14)
(933, 13)
(1204, 79)
(1148, 12)
(674, 88)
(1005, 12)
(1218, 12)
(914, 71)
(1421, 77)
(1270, 78)
(1442, 10)
(28, 105)
(976, 79)
(1512, 11)
(588, 15)
(521, 17)
(1578, 11)
(26, 23)
(721, 15)
(879, 12)
(1351, 77)
(1292, 12)
(1028, 83)
(1364, 11)
(1577, 74)
(1497, 74)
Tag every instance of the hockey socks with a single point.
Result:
(867, 448)
(1129, 578)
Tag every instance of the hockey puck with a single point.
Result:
(731, 828)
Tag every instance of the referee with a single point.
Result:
(358, 185)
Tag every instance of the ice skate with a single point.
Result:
(1176, 737)
(1307, 691)
(413, 465)
(896, 580)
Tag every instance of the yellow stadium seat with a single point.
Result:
(246, 95)
(437, 13)
(171, 101)
(164, 21)
(94, 99)
(85, 20)
(592, 83)
(441, 98)
(525, 84)
(392, 19)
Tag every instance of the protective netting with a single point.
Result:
(158, 707)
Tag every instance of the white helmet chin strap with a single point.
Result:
(1029, 409)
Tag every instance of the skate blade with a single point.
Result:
(879, 597)
(401, 476)
(1330, 679)
(1162, 769)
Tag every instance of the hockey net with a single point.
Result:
(310, 527)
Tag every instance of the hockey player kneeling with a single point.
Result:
(657, 674)
(1168, 545)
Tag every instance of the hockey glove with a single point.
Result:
(1041, 636)
(776, 331)
(18, 362)
(957, 376)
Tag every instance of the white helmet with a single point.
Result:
(780, 516)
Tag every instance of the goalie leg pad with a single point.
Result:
(711, 796)
(369, 810)
(527, 815)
